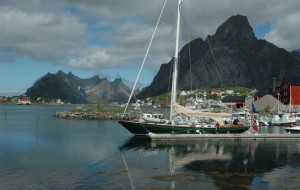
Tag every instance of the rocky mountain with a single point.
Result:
(232, 57)
(296, 53)
(70, 88)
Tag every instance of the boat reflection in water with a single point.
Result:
(244, 164)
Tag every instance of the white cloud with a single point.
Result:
(63, 31)
(39, 36)
(285, 32)
(91, 58)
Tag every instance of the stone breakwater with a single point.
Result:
(96, 115)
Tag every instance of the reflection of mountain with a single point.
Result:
(251, 155)
(215, 152)
(230, 164)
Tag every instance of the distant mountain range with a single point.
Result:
(232, 57)
(70, 88)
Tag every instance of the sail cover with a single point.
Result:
(181, 110)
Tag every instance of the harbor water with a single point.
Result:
(39, 151)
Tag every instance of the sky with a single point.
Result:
(109, 38)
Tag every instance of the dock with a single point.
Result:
(197, 137)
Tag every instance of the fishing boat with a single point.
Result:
(183, 120)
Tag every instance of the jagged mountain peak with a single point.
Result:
(94, 79)
(117, 80)
(70, 73)
(70, 88)
(60, 72)
(233, 57)
(236, 28)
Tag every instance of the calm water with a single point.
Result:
(39, 151)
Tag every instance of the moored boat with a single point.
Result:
(183, 120)
(285, 119)
(293, 130)
(138, 128)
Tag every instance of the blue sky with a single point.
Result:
(261, 30)
(109, 37)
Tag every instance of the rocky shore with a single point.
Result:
(96, 115)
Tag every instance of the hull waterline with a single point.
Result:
(142, 129)
(292, 130)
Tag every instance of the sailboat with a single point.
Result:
(183, 120)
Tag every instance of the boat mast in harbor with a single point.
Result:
(143, 63)
(175, 62)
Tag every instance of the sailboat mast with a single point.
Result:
(175, 62)
(290, 105)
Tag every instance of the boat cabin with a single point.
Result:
(154, 115)
(242, 115)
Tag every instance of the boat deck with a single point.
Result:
(195, 137)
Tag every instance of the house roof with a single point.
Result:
(261, 94)
(234, 99)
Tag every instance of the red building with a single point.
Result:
(289, 90)
(234, 102)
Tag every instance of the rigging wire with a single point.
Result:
(139, 73)
(212, 53)
(190, 61)
(222, 54)
(189, 37)
(213, 56)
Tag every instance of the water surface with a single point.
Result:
(39, 151)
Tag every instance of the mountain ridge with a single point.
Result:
(70, 88)
(232, 57)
